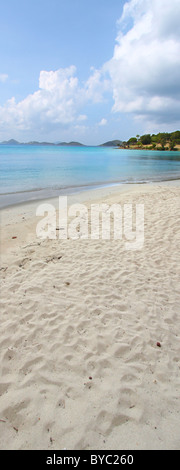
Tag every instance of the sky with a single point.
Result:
(89, 71)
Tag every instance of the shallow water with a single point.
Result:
(35, 172)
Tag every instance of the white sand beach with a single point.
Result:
(80, 323)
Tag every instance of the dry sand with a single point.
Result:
(80, 322)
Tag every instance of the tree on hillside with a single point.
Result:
(162, 142)
(145, 139)
(176, 136)
(132, 140)
(172, 144)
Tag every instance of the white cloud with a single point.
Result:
(103, 122)
(3, 77)
(145, 67)
(82, 117)
(58, 103)
(96, 86)
(55, 102)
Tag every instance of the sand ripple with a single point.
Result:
(80, 321)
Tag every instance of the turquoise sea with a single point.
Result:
(35, 172)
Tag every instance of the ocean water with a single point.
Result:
(36, 172)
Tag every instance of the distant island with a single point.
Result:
(15, 142)
(110, 143)
(161, 141)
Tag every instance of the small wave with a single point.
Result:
(92, 185)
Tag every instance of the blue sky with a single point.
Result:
(88, 71)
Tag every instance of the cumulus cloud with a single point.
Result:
(103, 122)
(52, 102)
(55, 102)
(58, 102)
(145, 67)
(97, 85)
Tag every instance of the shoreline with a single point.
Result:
(90, 194)
(21, 217)
(157, 149)
(70, 191)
